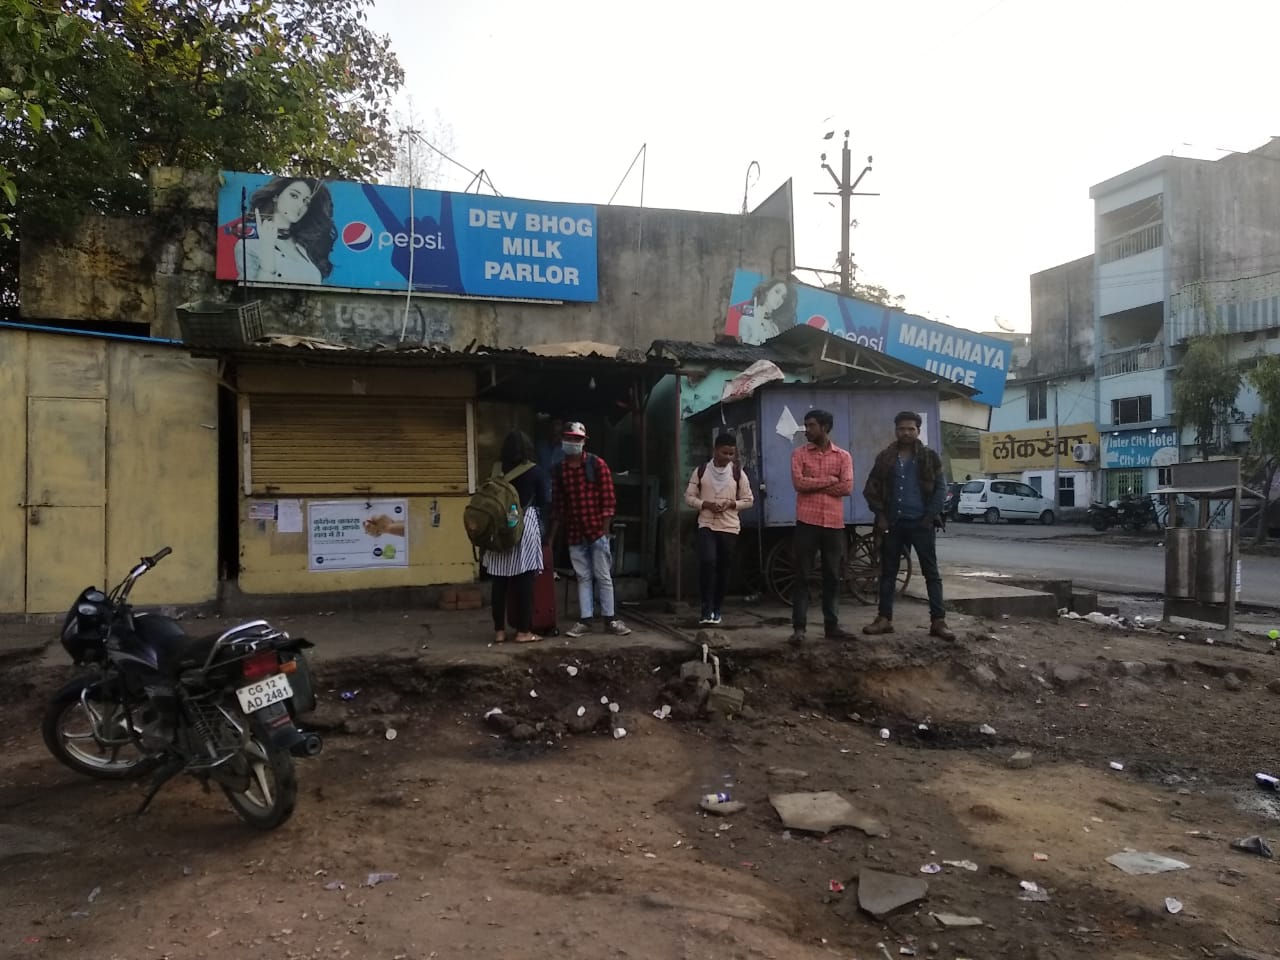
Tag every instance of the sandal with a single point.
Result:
(531, 638)
(500, 636)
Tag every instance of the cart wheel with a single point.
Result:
(780, 571)
(862, 568)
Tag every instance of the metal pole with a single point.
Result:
(673, 503)
(1057, 457)
(846, 193)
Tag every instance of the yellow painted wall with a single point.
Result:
(13, 471)
(161, 464)
(162, 471)
(272, 562)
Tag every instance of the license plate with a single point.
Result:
(264, 692)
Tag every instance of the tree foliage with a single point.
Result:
(1264, 431)
(1205, 391)
(94, 92)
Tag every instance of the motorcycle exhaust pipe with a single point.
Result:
(308, 745)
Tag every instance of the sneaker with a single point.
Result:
(579, 629)
(618, 628)
(837, 632)
(707, 620)
(797, 638)
(715, 619)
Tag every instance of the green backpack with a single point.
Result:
(494, 518)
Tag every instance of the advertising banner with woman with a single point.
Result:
(334, 233)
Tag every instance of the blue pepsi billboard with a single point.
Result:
(761, 308)
(336, 233)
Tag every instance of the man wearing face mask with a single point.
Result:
(583, 502)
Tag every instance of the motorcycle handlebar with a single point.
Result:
(163, 552)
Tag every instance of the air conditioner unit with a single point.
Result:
(1084, 452)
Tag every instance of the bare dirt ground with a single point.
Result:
(587, 846)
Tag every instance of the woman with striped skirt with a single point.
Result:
(513, 571)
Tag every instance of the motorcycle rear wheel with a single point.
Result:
(92, 744)
(1099, 523)
(272, 790)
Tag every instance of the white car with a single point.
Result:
(994, 500)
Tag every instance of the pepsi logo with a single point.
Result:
(357, 236)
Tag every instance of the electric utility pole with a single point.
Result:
(845, 191)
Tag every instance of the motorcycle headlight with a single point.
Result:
(86, 610)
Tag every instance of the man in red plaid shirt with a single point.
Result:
(584, 504)
(822, 475)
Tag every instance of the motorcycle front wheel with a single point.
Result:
(1099, 523)
(89, 732)
(270, 789)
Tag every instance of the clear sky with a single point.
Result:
(988, 119)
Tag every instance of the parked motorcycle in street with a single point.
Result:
(221, 708)
(1103, 516)
(1130, 513)
(1136, 513)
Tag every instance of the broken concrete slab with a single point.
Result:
(822, 813)
(726, 700)
(956, 920)
(1144, 864)
(880, 894)
(1020, 760)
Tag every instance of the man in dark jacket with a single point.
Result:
(905, 490)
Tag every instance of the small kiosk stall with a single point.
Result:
(1202, 565)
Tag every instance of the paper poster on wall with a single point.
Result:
(262, 510)
(357, 534)
(787, 428)
(289, 516)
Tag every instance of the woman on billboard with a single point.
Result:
(772, 309)
(288, 234)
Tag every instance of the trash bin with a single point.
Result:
(1213, 547)
(1180, 563)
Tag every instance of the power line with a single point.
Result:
(480, 176)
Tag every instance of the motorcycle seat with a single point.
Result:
(174, 649)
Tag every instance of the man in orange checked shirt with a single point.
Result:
(822, 474)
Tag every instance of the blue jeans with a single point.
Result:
(593, 564)
(921, 536)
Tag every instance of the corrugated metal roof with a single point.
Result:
(729, 354)
(314, 350)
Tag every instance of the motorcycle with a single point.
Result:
(157, 701)
(1103, 516)
(1137, 512)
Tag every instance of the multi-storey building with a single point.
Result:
(1182, 247)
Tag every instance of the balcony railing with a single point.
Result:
(1247, 305)
(1132, 243)
(1145, 356)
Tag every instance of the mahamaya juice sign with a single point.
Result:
(336, 233)
(761, 308)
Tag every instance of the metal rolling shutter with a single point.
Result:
(357, 445)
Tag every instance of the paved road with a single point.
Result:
(1095, 561)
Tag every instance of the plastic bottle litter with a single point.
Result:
(349, 695)
(614, 708)
(721, 797)
(582, 711)
(1116, 765)
(94, 894)
(1267, 782)
(884, 733)
(931, 868)
(619, 732)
